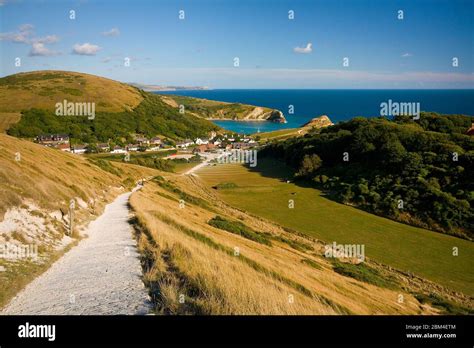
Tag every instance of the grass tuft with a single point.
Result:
(363, 273)
(240, 229)
(446, 307)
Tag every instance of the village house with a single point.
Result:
(203, 148)
(202, 141)
(64, 147)
(103, 147)
(153, 148)
(118, 149)
(142, 141)
(133, 147)
(155, 141)
(52, 139)
(79, 149)
(241, 145)
(184, 144)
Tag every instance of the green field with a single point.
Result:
(278, 134)
(119, 157)
(154, 160)
(181, 167)
(265, 193)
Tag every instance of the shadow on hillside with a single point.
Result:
(277, 169)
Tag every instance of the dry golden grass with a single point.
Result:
(183, 255)
(7, 119)
(49, 179)
(43, 89)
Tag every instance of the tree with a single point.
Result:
(92, 148)
(428, 164)
(392, 151)
(309, 165)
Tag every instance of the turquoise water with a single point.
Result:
(339, 105)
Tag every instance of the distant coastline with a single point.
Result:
(237, 120)
(159, 88)
(339, 105)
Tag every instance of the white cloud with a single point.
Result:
(39, 49)
(49, 39)
(112, 32)
(307, 49)
(26, 28)
(86, 49)
(406, 55)
(106, 59)
(15, 37)
(22, 35)
(26, 35)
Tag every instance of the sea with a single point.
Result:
(300, 106)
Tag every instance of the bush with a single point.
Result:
(238, 228)
(225, 185)
(446, 306)
(363, 273)
(391, 161)
(309, 165)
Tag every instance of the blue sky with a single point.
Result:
(273, 51)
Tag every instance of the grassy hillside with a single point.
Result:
(313, 125)
(217, 110)
(36, 186)
(43, 89)
(404, 247)
(153, 160)
(152, 117)
(417, 172)
(51, 177)
(280, 134)
(222, 260)
(121, 110)
(7, 119)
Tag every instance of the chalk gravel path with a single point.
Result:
(208, 159)
(101, 275)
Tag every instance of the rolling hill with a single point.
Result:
(38, 183)
(314, 124)
(120, 110)
(224, 260)
(217, 110)
(36, 186)
(27, 109)
(43, 89)
(416, 172)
